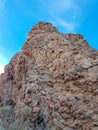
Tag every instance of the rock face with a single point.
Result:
(52, 83)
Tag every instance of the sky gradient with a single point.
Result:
(68, 16)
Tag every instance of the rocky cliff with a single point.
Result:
(52, 84)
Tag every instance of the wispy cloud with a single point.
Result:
(63, 12)
(3, 59)
(1, 68)
(63, 6)
(67, 13)
(68, 25)
(65, 24)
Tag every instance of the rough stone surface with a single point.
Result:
(56, 75)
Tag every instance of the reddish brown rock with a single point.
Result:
(56, 75)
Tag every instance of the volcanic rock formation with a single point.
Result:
(52, 84)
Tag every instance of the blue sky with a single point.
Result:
(18, 16)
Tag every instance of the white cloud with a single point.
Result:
(1, 68)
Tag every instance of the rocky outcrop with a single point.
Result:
(52, 84)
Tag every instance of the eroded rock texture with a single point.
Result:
(56, 76)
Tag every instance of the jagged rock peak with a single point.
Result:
(42, 27)
(51, 84)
